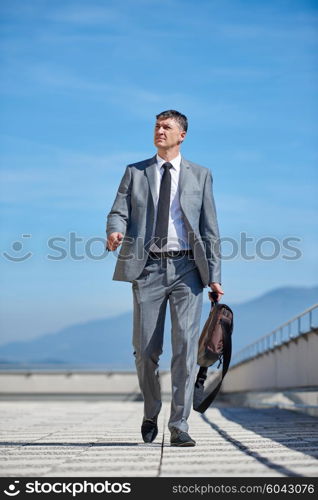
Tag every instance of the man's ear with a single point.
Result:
(183, 134)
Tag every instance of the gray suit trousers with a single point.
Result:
(178, 281)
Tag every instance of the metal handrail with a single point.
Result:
(276, 337)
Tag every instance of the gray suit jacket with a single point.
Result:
(133, 212)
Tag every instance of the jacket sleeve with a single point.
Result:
(209, 231)
(118, 217)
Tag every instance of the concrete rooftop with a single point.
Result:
(71, 437)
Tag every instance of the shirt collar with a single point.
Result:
(176, 162)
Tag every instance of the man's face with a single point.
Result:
(168, 133)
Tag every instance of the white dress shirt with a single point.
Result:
(177, 234)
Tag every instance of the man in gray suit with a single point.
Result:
(164, 218)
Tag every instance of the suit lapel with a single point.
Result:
(151, 175)
(184, 182)
(185, 175)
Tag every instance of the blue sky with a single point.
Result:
(81, 84)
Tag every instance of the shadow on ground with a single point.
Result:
(283, 426)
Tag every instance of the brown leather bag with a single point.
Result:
(215, 344)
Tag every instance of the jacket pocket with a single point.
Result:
(193, 192)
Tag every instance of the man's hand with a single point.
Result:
(114, 240)
(216, 287)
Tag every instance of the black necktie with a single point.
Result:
(161, 231)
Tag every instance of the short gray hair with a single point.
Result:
(179, 117)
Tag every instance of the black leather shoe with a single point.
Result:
(149, 429)
(180, 438)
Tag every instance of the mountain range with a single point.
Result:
(106, 343)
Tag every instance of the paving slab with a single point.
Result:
(77, 438)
